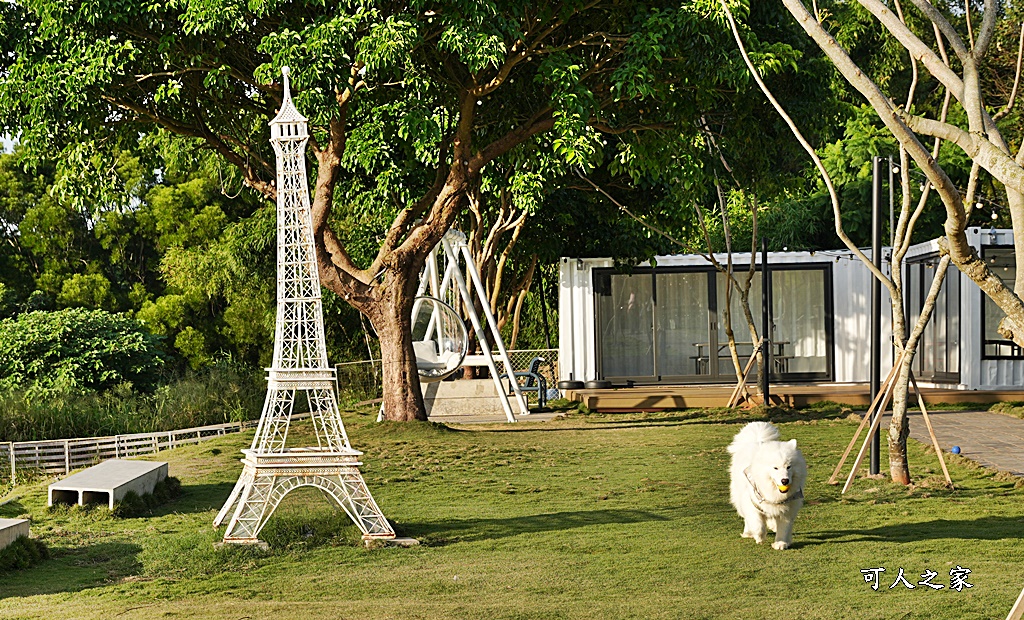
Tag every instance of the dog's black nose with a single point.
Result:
(785, 481)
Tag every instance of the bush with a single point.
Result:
(75, 350)
(216, 395)
(133, 505)
(24, 552)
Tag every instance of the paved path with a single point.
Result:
(498, 418)
(990, 439)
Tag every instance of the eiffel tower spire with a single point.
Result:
(271, 469)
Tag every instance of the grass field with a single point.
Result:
(592, 516)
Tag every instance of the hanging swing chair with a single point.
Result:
(439, 339)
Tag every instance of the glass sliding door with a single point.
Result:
(669, 324)
(683, 337)
(738, 320)
(800, 316)
(938, 354)
(625, 309)
(1002, 263)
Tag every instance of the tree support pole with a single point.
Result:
(868, 416)
(875, 372)
(874, 424)
(766, 349)
(931, 432)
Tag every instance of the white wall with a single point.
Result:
(576, 333)
(851, 296)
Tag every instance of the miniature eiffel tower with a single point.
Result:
(300, 364)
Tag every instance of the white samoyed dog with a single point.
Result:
(767, 482)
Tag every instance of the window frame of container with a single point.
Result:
(918, 292)
(713, 306)
(985, 253)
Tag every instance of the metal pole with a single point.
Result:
(876, 302)
(892, 208)
(766, 352)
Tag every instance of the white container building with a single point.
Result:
(663, 323)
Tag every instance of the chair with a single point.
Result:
(534, 381)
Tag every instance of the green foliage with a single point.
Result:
(214, 395)
(132, 505)
(75, 350)
(86, 291)
(23, 553)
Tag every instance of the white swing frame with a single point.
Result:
(456, 250)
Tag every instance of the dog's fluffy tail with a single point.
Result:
(754, 433)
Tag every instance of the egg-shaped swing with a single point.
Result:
(439, 339)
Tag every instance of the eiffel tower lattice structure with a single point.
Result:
(271, 469)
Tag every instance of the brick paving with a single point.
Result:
(990, 439)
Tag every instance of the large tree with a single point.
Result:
(408, 102)
(923, 33)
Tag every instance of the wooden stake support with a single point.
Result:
(877, 422)
(742, 383)
(867, 416)
(931, 432)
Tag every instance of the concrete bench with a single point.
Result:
(107, 483)
(11, 530)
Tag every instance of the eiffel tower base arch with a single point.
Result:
(267, 478)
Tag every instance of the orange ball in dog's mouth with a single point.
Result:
(783, 488)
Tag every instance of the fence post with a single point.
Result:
(14, 478)
(117, 446)
(67, 458)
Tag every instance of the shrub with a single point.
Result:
(24, 552)
(215, 395)
(75, 350)
(132, 505)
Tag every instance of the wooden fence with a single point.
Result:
(60, 456)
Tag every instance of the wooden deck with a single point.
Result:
(661, 397)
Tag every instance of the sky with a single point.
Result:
(6, 143)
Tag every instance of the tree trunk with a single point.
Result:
(899, 426)
(730, 335)
(755, 338)
(392, 319)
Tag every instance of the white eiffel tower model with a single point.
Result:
(300, 364)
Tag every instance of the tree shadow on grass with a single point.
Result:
(983, 528)
(446, 532)
(12, 509)
(195, 498)
(73, 569)
(605, 425)
(608, 421)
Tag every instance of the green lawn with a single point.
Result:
(593, 516)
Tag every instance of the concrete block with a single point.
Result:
(463, 397)
(107, 483)
(11, 530)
